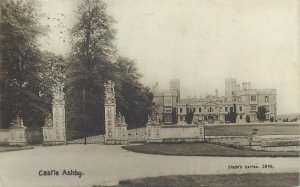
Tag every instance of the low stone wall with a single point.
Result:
(256, 123)
(34, 136)
(89, 140)
(260, 143)
(228, 140)
(137, 135)
(4, 136)
(280, 148)
(166, 133)
(175, 133)
(15, 135)
(243, 129)
(276, 143)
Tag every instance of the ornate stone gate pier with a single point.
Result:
(17, 132)
(54, 131)
(115, 126)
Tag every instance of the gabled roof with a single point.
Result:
(211, 102)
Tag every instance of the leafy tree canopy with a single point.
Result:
(91, 62)
(133, 99)
(231, 116)
(189, 117)
(261, 113)
(20, 62)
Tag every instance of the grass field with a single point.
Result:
(256, 179)
(203, 149)
(244, 130)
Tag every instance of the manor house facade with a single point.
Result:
(213, 108)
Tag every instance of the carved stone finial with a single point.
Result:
(17, 122)
(149, 120)
(154, 118)
(49, 121)
(157, 118)
(58, 94)
(109, 92)
(119, 119)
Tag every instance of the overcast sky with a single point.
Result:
(201, 42)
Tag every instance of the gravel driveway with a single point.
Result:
(107, 164)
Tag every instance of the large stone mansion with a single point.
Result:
(212, 109)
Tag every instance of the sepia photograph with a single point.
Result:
(149, 93)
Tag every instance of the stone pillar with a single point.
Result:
(121, 133)
(153, 129)
(110, 113)
(54, 131)
(115, 126)
(255, 142)
(58, 112)
(48, 130)
(17, 133)
(201, 134)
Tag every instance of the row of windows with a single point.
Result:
(210, 109)
(240, 116)
(252, 98)
(253, 108)
(168, 119)
(227, 109)
(252, 116)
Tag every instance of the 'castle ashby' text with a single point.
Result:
(63, 172)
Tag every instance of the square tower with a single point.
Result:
(175, 87)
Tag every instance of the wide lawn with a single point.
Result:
(255, 179)
(244, 130)
(202, 149)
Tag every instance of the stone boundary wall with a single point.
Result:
(89, 140)
(34, 136)
(175, 133)
(189, 133)
(276, 143)
(4, 136)
(280, 148)
(256, 123)
(291, 128)
(260, 143)
(137, 135)
(229, 140)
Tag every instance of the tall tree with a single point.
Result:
(189, 117)
(91, 62)
(174, 115)
(231, 116)
(90, 65)
(52, 72)
(247, 118)
(133, 99)
(20, 58)
(261, 113)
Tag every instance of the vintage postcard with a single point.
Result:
(149, 93)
